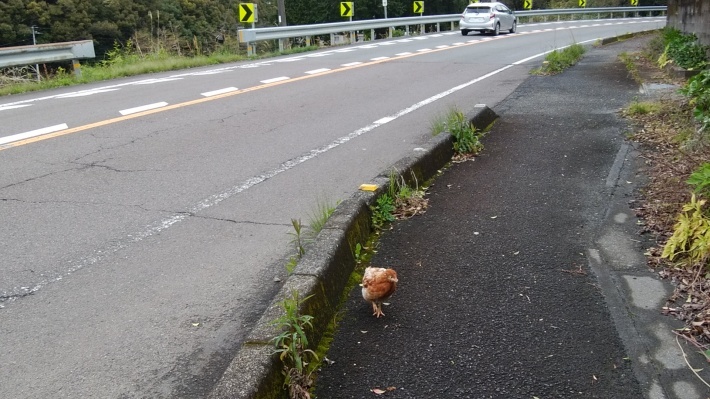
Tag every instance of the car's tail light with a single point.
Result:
(492, 16)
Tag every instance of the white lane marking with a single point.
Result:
(133, 110)
(349, 64)
(317, 71)
(4, 107)
(443, 46)
(387, 43)
(84, 93)
(274, 80)
(345, 50)
(33, 133)
(379, 58)
(218, 92)
(290, 59)
(152, 81)
(211, 72)
(421, 50)
(420, 38)
(458, 44)
(405, 53)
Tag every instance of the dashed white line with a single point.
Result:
(142, 108)
(349, 64)
(316, 71)
(274, 80)
(405, 53)
(85, 93)
(33, 133)
(5, 107)
(151, 81)
(379, 58)
(218, 92)
(421, 50)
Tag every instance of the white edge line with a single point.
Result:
(142, 108)
(33, 133)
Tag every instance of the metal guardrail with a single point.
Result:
(41, 53)
(251, 36)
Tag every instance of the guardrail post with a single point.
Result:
(406, 30)
(372, 35)
(389, 32)
(308, 41)
(438, 28)
(281, 45)
(452, 25)
(77, 68)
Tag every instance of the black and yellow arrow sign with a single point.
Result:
(582, 3)
(246, 12)
(634, 2)
(419, 7)
(527, 4)
(346, 9)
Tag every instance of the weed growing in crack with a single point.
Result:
(557, 61)
(292, 347)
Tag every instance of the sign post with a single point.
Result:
(248, 14)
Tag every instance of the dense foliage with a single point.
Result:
(196, 26)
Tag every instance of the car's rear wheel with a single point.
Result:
(514, 27)
(496, 30)
(464, 32)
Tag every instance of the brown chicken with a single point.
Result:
(378, 284)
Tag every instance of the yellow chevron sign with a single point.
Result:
(634, 2)
(582, 3)
(246, 12)
(347, 9)
(419, 7)
(527, 4)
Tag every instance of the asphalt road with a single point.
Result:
(497, 294)
(139, 246)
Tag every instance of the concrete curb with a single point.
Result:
(323, 272)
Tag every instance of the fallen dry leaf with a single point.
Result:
(378, 391)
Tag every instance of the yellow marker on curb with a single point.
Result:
(368, 187)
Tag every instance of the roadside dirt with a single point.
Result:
(672, 149)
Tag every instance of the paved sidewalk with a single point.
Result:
(526, 277)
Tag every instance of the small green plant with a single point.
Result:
(683, 50)
(700, 180)
(691, 235)
(698, 90)
(318, 218)
(466, 137)
(292, 346)
(297, 241)
(408, 200)
(558, 60)
(383, 211)
(643, 108)
(358, 253)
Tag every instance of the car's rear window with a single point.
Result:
(478, 10)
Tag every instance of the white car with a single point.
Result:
(488, 17)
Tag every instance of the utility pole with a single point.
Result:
(34, 43)
(282, 12)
